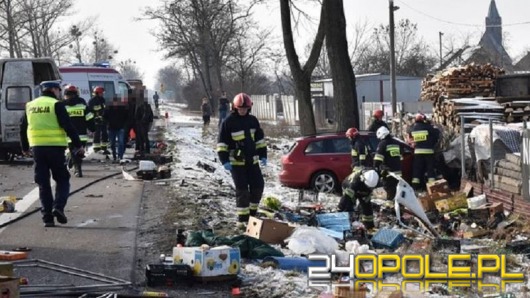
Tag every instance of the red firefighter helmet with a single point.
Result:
(71, 90)
(378, 114)
(420, 117)
(352, 132)
(242, 100)
(98, 90)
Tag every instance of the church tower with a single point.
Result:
(494, 23)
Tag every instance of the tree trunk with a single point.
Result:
(345, 94)
(302, 75)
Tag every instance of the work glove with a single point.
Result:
(263, 161)
(228, 166)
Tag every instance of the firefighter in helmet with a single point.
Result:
(82, 119)
(377, 121)
(241, 148)
(388, 159)
(359, 186)
(424, 137)
(97, 105)
(359, 151)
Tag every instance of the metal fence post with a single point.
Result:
(492, 160)
(462, 148)
(525, 157)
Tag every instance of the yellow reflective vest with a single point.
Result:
(43, 126)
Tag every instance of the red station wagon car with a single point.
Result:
(322, 162)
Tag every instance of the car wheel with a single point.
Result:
(324, 181)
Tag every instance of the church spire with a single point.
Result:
(494, 23)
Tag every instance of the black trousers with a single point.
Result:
(101, 137)
(142, 137)
(249, 184)
(422, 163)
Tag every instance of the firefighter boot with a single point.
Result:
(78, 172)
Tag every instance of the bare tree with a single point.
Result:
(344, 92)
(129, 70)
(302, 74)
(171, 78)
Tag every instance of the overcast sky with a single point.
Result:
(455, 18)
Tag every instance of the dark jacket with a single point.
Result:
(62, 118)
(359, 152)
(241, 140)
(206, 109)
(84, 122)
(388, 155)
(376, 124)
(97, 105)
(144, 114)
(116, 117)
(425, 137)
(223, 104)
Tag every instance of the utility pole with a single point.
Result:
(392, 8)
(441, 59)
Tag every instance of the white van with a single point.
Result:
(19, 84)
(88, 77)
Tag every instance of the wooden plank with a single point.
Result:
(505, 164)
(508, 173)
(509, 188)
(507, 180)
(513, 158)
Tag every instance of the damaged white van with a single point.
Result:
(19, 81)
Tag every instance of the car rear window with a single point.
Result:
(335, 145)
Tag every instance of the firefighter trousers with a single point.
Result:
(49, 159)
(249, 184)
(422, 163)
(347, 204)
(101, 137)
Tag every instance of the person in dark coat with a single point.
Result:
(144, 121)
(116, 117)
(97, 105)
(224, 106)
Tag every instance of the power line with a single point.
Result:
(460, 24)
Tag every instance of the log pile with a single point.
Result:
(507, 174)
(464, 82)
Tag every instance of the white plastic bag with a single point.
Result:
(310, 240)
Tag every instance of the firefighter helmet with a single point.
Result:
(352, 132)
(420, 117)
(98, 90)
(71, 90)
(370, 178)
(382, 132)
(378, 114)
(48, 85)
(242, 100)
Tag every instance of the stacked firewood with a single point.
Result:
(507, 174)
(464, 82)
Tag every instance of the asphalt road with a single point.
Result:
(99, 236)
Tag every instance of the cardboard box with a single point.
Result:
(9, 287)
(456, 201)
(268, 230)
(438, 186)
(215, 261)
(428, 201)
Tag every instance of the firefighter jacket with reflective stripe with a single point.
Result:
(388, 155)
(97, 105)
(425, 137)
(359, 151)
(43, 126)
(81, 117)
(241, 140)
(354, 187)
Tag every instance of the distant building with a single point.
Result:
(490, 49)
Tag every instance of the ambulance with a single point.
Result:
(19, 84)
(87, 77)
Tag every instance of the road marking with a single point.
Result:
(20, 207)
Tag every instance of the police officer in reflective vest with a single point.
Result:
(241, 146)
(97, 105)
(425, 137)
(45, 127)
(359, 151)
(388, 159)
(82, 119)
(359, 186)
